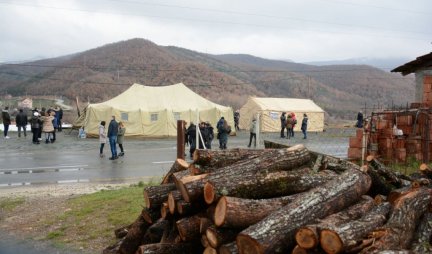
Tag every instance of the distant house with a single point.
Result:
(422, 68)
(26, 103)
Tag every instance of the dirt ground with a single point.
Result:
(41, 202)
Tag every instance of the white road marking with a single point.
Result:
(47, 167)
(162, 162)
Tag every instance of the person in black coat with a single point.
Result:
(359, 120)
(191, 133)
(6, 121)
(112, 137)
(283, 124)
(21, 122)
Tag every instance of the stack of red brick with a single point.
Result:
(394, 136)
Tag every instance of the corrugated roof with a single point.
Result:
(411, 67)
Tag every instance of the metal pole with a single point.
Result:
(258, 123)
(180, 139)
(197, 130)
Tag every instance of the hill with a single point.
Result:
(101, 73)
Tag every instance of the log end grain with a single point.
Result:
(212, 237)
(182, 163)
(299, 250)
(171, 203)
(306, 238)
(248, 245)
(182, 188)
(330, 242)
(146, 199)
(164, 210)
(220, 212)
(209, 193)
(210, 250)
(370, 158)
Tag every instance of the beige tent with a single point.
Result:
(270, 110)
(150, 111)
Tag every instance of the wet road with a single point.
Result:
(71, 160)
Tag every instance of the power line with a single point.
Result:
(214, 21)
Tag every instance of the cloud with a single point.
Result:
(299, 30)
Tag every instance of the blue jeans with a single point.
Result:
(6, 129)
(113, 145)
(304, 133)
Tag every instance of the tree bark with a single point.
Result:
(185, 208)
(275, 160)
(133, 238)
(387, 173)
(264, 185)
(336, 239)
(189, 228)
(307, 237)
(223, 158)
(204, 224)
(164, 248)
(173, 197)
(241, 213)
(154, 196)
(155, 232)
(219, 236)
(423, 235)
(398, 232)
(122, 232)
(179, 165)
(210, 250)
(275, 233)
(229, 248)
(151, 215)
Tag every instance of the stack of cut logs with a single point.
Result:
(287, 200)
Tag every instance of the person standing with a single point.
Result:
(6, 122)
(120, 137)
(283, 124)
(253, 129)
(36, 124)
(218, 126)
(60, 117)
(237, 120)
(191, 133)
(112, 137)
(304, 126)
(48, 127)
(210, 134)
(359, 123)
(294, 118)
(289, 126)
(21, 122)
(224, 130)
(102, 138)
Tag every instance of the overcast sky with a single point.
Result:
(299, 30)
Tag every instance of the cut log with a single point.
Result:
(308, 237)
(318, 163)
(219, 236)
(113, 249)
(209, 250)
(265, 185)
(229, 248)
(397, 193)
(189, 228)
(164, 210)
(379, 184)
(122, 231)
(337, 239)
(274, 160)
(398, 232)
(154, 196)
(164, 248)
(275, 233)
(204, 224)
(173, 197)
(387, 173)
(171, 234)
(241, 213)
(151, 215)
(133, 238)
(155, 232)
(426, 170)
(178, 165)
(222, 158)
(423, 235)
(180, 175)
(190, 181)
(299, 250)
(204, 241)
(185, 208)
(379, 199)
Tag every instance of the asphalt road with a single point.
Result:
(71, 160)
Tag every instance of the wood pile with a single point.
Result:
(286, 200)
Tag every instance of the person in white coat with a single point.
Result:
(102, 138)
(253, 130)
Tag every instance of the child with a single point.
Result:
(120, 136)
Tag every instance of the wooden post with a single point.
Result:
(180, 139)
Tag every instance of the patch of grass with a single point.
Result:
(411, 166)
(93, 217)
(8, 204)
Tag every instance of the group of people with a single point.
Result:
(289, 122)
(207, 134)
(43, 121)
(115, 135)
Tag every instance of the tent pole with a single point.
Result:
(197, 130)
(258, 129)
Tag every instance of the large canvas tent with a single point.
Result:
(150, 111)
(270, 110)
